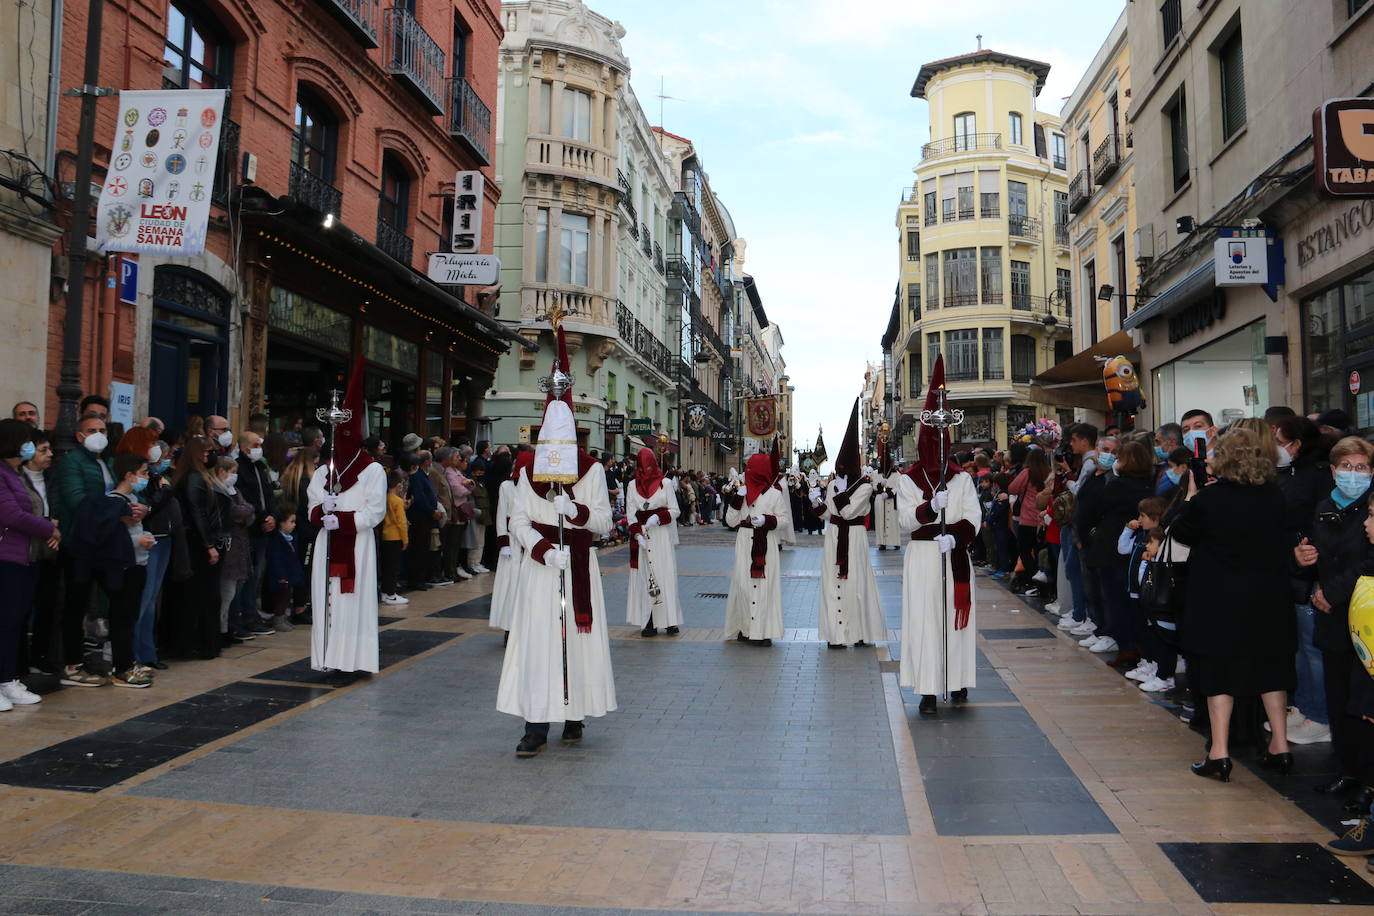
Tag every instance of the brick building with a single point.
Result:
(357, 119)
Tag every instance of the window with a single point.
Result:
(393, 207)
(1090, 287)
(1061, 151)
(1022, 357)
(1020, 285)
(541, 249)
(1063, 351)
(1231, 65)
(460, 47)
(932, 281)
(574, 240)
(994, 362)
(966, 201)
(577, 115)
(1354, 6)
(913, 299)
(630, 399)
(914, 376)
(198, 54)
(1061, 218)
(315, 140)
(1177, 117)
(1015, 128)
(961, 354)
(929, 208)
(965, 127)
(1063, 284)
(991, 269)
(1171, 18)
(961, 283)
(913, 246)
(1040, 149)
(947, 210)
(1119, 256)
(545, 123)
(990, 204)
(932, 348)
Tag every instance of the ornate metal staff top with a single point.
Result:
(942, 418)
(333, 415)
(557, 381)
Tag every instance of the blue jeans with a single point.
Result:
(1073, 571)
(145, 649)
(1310, 697)
(245, 610)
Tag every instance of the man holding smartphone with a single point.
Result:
(1199, 432)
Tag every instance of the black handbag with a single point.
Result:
(1162, 589)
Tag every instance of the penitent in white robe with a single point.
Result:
(503, 589)
(885, 513)
(352, 617)
(755, 605)
(850, 608)
(923, 612)
(532, 674)
(638, 605)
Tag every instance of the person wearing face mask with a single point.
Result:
(236, 559)
(217, 429)
(25, 531)
(1168, 437)
(36, 472)
(1129, 478)
(193, 620)
(1087, 518)
(258, 490)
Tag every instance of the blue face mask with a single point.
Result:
(27, 451)
(1174, 476)
(163, 465)
(1106, 460)
(140, 483)
(1160, 453)
(1192, 437)
(1352, 484)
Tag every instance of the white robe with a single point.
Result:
(670, 484)
(755, 605)
(885, 513)
(638, 605)
(503, 589)
(786, 533)
(850, 608)
(352, 618)
(532, 673)
(923, 663)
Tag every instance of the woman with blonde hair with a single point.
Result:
(1237, 628)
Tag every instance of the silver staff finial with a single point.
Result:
(333, 415)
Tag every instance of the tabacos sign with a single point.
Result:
(1343, 147)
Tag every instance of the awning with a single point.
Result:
(1200, 280)
(1077, 381)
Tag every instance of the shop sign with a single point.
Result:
(1242, 260)
(641, 426)
(156, 196)
(615, 424)
(1354, 383)
(122, 403)
(694, 420)
(464, 269)
(468, 190)
(722, 435)
(1326, 239)
(523, 437)
(577, 408)
(1343, 147)
(1197, 317)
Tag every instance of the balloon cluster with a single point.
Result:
(1044, 431)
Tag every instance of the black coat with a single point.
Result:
(1305, 483)
(1087, 509)
(1237, 602)
(1113, 506)
(1343, 552)
(255, 484)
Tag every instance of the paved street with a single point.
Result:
(737, 779)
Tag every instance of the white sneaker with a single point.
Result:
(391, 599)
(1087, 641)
(1145, 671)
(399, 599)
(479, 569)
(1308, 732)
(5, 705)
(1041, 577)
(463, 574)
(1157, 685)
(1104, 645)
(1052, 607)
(1067, 622)
(1086, 628)
(19, 695)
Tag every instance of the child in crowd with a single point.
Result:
(998, 513)
(284, 572)
(1155, 673)
(395, 539)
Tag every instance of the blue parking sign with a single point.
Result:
(128, 281)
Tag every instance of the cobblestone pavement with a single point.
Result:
(793, 779)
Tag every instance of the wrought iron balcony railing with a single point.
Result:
(314, 192)
(956, 299)
(1107, 158)
(415, 57)
(358, 16)
(625, 200)
(469, 118)
(641, 340)
(1080, 191)
(394, 241)
(226, 166)
(960, 144)
(658, 258)
(679, 272)
(1061, 236)
(632, 227)
(646, 244)
(1024, 227)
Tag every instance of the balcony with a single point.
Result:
(962, 143)
(702, 326)
(658, 258)
(1080, 191)
(1107, 158)
(685, 210)
(626, 202)
(953, 300)
(646, 244)
(314, 192)
(1024, 227)
(632, 227)
(359, 17)
(931, 218)
(536, 300)
(570, 157)
(415, 57)
(227, 165)
(1049, 311)
(1061, 236)
(394, 241)
(679, 272)
(636, 337)
(469, 119)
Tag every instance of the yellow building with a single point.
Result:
(985, 270)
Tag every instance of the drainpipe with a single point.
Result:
(105, 341)
(54, 86)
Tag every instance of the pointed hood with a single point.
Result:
(775, 458)
(926, 467)
(555, 455)
(648, 475)
(758, 476)
(347, 456)
(561, 362)
(847, 463)
(523, 462)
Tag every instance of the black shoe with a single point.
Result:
(740, 637)
(421, 587)
(1360, 803)
(860, 644)
(1279, 763)
(572, 732)
(302, 619)
(763, 642)
(960, 695)
(229, 639)
(1220, 768)
(927, 707)
(1338, 786)
(160, 666)
(649, 630)
(835, 645)
(529, 746)
(340, 678)
(671, 631)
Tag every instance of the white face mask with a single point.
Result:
(231, 479)
(1284, 459)
(254, 454)
(95, 443)
(225, 439)
(155, 454)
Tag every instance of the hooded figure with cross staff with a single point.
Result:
(850, 612)
(938, 503)
(557, 666)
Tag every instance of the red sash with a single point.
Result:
(580, 542)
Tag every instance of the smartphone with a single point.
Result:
(1198, 465)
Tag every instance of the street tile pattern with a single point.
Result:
(1268, 873)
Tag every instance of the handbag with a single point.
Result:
(1162, 590)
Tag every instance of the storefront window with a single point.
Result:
(391, 351)
(308, 319)
(434, 395)
(1322, 353)
(1228, 378)
(1338, 342)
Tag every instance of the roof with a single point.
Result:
(929, 71)
(668, 133)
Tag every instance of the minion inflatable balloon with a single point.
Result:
(1362, 621)
(1123, 387)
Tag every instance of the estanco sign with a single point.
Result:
(1343, 147)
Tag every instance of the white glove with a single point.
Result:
(643, 541)
(815, 494)
(868, 470)
(505, 553)
(557, 558)
(841, 484)
(331, 522)
(563, 505)
(939, 501)
(652, 522)
(945, 542)
(330, 501)
(756, 521)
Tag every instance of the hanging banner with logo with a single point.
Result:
(615, 424)
(763, 417)
(156, 198)
(694, 420)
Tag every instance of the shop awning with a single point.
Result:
(1200, 280)
(1077, 381)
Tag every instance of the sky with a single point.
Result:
(808, 132)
